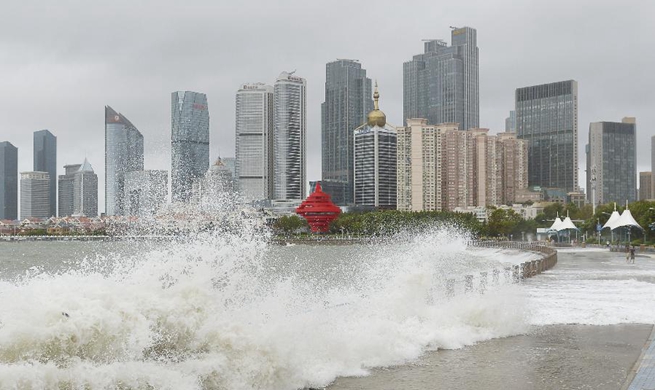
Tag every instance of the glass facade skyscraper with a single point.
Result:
(123, 153)
(254, 141)
(347, 101)
(612, 150)
(85, 191)
(45, 160)
(189, 142)
(289, 138)
(8, 181)
(547, 117)
(65, 190)
(442, 84)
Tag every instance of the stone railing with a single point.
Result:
(514, 274)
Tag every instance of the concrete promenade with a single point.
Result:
(562, 355)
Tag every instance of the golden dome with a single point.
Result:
(376, 117)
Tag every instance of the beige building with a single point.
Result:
(443, 168)
(645, 185)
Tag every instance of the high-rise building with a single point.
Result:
(289, 138)
(45, 160)
(375, 161)
(8, 181)
(123, 153)
(217, 181)
(189, 142)
(65, 190)
(645, 185)
(419, 182)
(254, 141)
(443, 168)
(145, 192)
(510, 122)
(500, 168)
(85, 191)
(612, 151)
(34, 195)
(547, 117)
(442, 84)
(347, 101)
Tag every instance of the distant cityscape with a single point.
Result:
(439, 159)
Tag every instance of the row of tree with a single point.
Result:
(501, 223)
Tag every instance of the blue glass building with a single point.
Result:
(8, 181)
(189, 142)
(123, 153)
(45, 160)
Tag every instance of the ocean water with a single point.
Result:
(229, 310)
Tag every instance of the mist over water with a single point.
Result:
(225, 309)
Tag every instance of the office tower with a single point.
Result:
(645, 184)
(612, 151)
(8, 181)
(419, 170)
(85, 191)
(375, 161)
(547, 117)
(45, 160)
(510, 122)
(34, 195)
(189, 141)
(289, 138)
(123, 153)
(230, 163)
(145, 192)
(254, 141)
(65, 190)
(442, 84)
(347, 102)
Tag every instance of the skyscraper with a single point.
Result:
(375, 161)
(289, 137)
(45, 160)
(612, 151)
(347, 101)
(189, 142)
(254, 141)
(65, 190)
(8, 181)
(85, 191)
(547, 117)
(34, 195)
(442, 84)
(510, 122)
(123, 153)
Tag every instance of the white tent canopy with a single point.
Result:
(556, 225)
(626, 220)
(567, 224)
(611, 223)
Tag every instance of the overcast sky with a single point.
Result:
(62, 62)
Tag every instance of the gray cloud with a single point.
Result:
(61, 63)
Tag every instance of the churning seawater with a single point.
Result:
(224, 310)
(232, 311)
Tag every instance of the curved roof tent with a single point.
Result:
(626, 219)
(556, 224)
(567, 224)
(611, 223)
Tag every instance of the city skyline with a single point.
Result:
(70, 77)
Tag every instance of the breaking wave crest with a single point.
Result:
(228, 310)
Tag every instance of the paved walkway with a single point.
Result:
(643, 375)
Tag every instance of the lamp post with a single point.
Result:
(597, 229)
